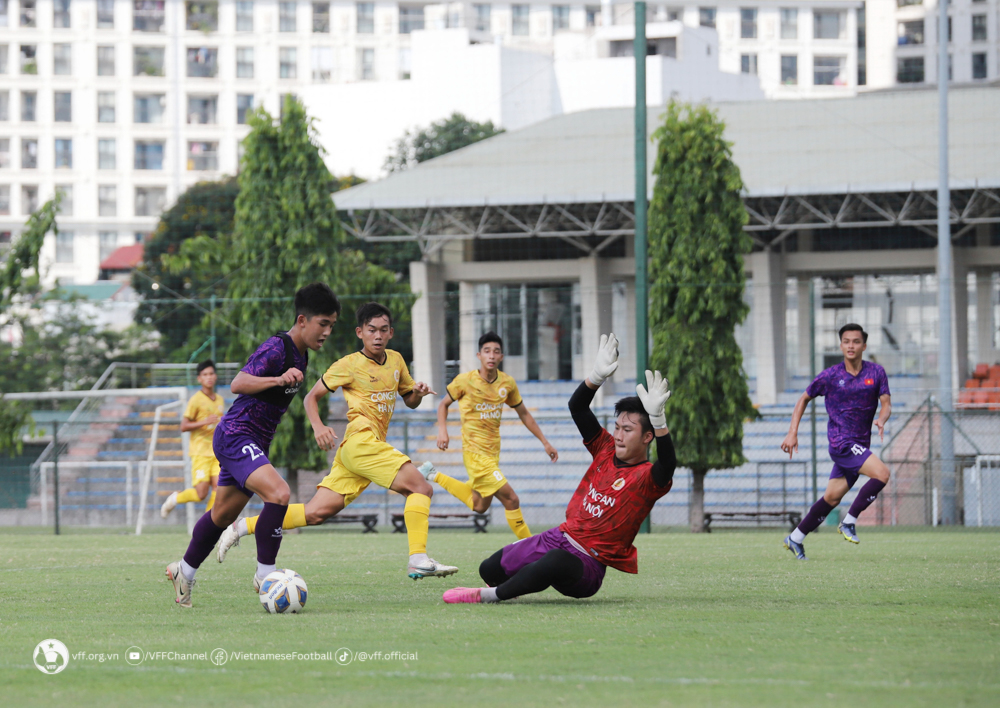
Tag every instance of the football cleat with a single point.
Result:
(457, 596)
(168, 505)
(229, 538)
(256, 583)
(849, 532)
(430, 569)
(797, 548)
(428, 471)
(182, 587)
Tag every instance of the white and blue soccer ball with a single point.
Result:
(283, 590)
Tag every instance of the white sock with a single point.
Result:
(798, 536)
(241, 528)
(187, 571)
(419, 559)
(850, 519)
(263, 570)
(488, 595)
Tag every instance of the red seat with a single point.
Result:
(982, 371)
(994, 400)
(972, 383)
(980, 397)
(995, 371)
(965, 398)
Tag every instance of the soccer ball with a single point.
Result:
(283, 590)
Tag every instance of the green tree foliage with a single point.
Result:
(287, 234)
(439, 138)
(23, 256)
(696, 245)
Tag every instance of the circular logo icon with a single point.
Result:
(395, 374)
(344, 656)
(51, 656)
(133, 656)
(219, 657)
(502, 392)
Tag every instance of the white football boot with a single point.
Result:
(182, 587)
(229, 538)
(168, 505)
(430, 568)
(428, 471)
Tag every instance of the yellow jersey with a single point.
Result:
(370, 389)
(481, 403)
(198, 408)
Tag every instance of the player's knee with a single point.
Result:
(279, 494)
(882, 473)
(491, 570)
(481, 505)
(512, 501)
(422, 486)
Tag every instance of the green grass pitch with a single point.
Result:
(908, 618)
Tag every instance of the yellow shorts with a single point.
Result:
(484, 473)
(203, 469)
(361, 460)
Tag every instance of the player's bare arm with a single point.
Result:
(883, 415)
(414, 397)
(325, 437)
(442, 422)
(791, 442)
(529, 422)
(250, 384)
(188, 425)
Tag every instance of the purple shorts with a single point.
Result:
(847, 461)
(239, 457)
(528, 550)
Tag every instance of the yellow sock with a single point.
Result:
(516, 522)
(415, 512)
(211, 501)
(188, 496)
(295, 518)
(460, 490)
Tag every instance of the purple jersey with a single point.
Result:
(851, 402)
(251, 416)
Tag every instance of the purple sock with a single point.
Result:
(866, 496)
(268, 532)
(811, 521)
(203, 540)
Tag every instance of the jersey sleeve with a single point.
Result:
(513, 395)
(339, 374)
(883, 383)
(193, 409)
(818, 387)
(456, 389)
(406, 382)
(268, 360)
(602, 441)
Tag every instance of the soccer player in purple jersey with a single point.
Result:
(266, 387)
(853, 391)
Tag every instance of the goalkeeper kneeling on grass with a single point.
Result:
(617, 492)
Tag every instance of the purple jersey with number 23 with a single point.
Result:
(851, 402)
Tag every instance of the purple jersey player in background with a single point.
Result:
(853, 391)
(266, 387)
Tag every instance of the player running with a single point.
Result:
(853, 390)
(266, 387)
(203, 412)
(371, 379)
(481, 394)
(617, 492)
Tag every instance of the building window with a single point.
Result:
(64, 247)
(979, 28)
(148, 107)
(66, 204)
(148, 61)
(287, 63)
(482, 17)
(203, 16)
(366, 17)
(706, 16)
(29, 104)
(789, 23)
(979, 65)
(62, 103)
(322, 64)
(748, 64)
(4, 153)
(910, 70)
(904, 3)
(829, 71)
(202, 156)
(202, 62)
(148, 15)
(149, 201)
(64, 153)
(106, 61)
(405, 63)
(106, 107)
(748, 23)
(105, 14)
(107, 240)
(29, 61)
(286, 16)
(244, 104)
(560, 17)
(148, 155)
(911, 32)
(593, 15)
(4, 211)
(244, 16)
(3, 57)
(62, 59)
(789, 70)
(144, 236)
(29, 13)
(829, 24)
(202, 110)
(244, 62)
(519, 21)
(366, 64)
(29, 199)
(283, 99)
(60, 14)
(411, 18)
(321, 17)
(4, 105)
(106, 154)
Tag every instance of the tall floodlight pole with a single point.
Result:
(641, 261)
(945, 278)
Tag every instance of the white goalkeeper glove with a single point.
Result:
(654, 397)
(607, 359)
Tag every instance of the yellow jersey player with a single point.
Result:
(371, 379)
(203, 412)
(481, 395)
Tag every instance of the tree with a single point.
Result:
(287, 234)
(697, 244)
(439, 138)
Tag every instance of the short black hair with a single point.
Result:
(208, 363)
(853, 327)
(372, 310)
(490, 336)
(632, 404)
(316, 299)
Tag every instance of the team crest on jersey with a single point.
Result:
(395, 374)
(502, 392)
(619, 483)
(869, 382)
(841, 382)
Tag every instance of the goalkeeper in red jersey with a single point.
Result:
(617, 492)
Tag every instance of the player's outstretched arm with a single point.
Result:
(442, 421)
(415, 396)
(188, 425)
(606, 363)
(791, 442)
(248, 383)
(325, 437)
(883, 414)
(654, 396)
(529, 422)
